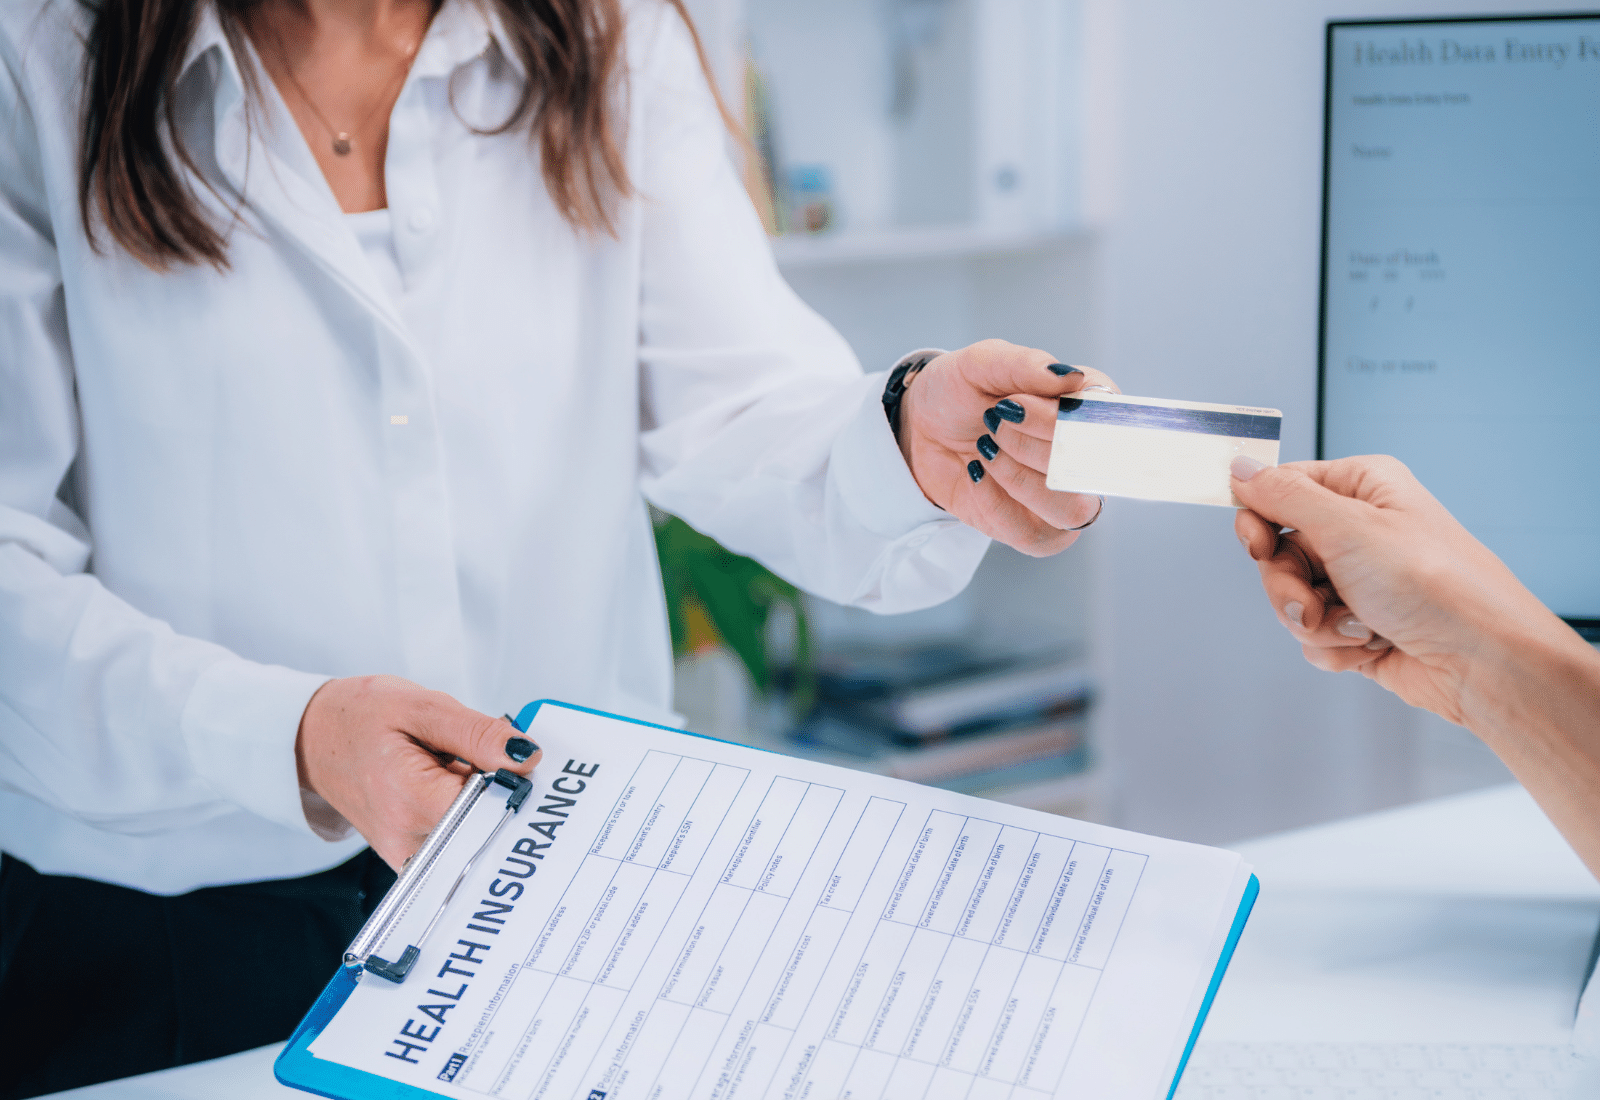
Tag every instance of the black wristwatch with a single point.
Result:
(899, 378)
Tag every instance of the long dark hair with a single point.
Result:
(134, 170)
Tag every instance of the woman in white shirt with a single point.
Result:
(343, 337)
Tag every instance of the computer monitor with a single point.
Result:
(1460, 325)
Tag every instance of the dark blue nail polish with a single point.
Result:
(1010, 410)
(1062, 369)
(991, 420)
(520, 748)
(975, 471)
(987, 447)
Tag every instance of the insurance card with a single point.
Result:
(1154, 449)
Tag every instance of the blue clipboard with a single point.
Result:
(298, 1068)
(1246, 904)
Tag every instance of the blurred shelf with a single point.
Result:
(933, 242)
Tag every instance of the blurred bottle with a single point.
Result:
(811, 199)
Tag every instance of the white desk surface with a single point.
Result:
(1456, 920)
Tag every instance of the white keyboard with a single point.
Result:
(1378, 1071)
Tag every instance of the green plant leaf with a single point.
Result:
(738, 595)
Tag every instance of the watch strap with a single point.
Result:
(900, 377)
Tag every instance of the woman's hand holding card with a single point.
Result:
(976, 426)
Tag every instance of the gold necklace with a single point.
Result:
(340, 139)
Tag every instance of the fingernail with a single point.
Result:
(1062, 369)
(991, 420)
(520, 748)
(1010, 410)
(1244, 467)
(975, 471)
(1295, 612)
(1378, 642)
(987, 447)
(1354, 628)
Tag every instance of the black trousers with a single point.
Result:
(100, 981)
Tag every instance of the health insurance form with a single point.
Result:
(671, 917)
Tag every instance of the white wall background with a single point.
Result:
(1200, 158)
(1203, 155)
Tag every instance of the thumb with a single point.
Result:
(448, 727)
(998, 368)
(1290, 497)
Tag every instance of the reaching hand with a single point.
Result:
(975, 429)
(1376, 575)
(388, 755)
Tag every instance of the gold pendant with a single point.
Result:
(341, 144)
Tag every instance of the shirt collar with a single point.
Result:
(208, 36)
(461, 32)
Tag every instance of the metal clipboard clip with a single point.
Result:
(362, 952)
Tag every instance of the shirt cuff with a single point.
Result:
(872, 475)
(240, 725)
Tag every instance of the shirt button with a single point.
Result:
(421, 220)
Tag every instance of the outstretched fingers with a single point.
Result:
(1345, 658)
(1026, 486)
(1029, 450)
(1258, 536)
(1032, 415)
(1286, 577)
(983, 502)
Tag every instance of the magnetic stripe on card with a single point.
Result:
(1200, 421)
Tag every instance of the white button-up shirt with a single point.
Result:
(218, 489)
